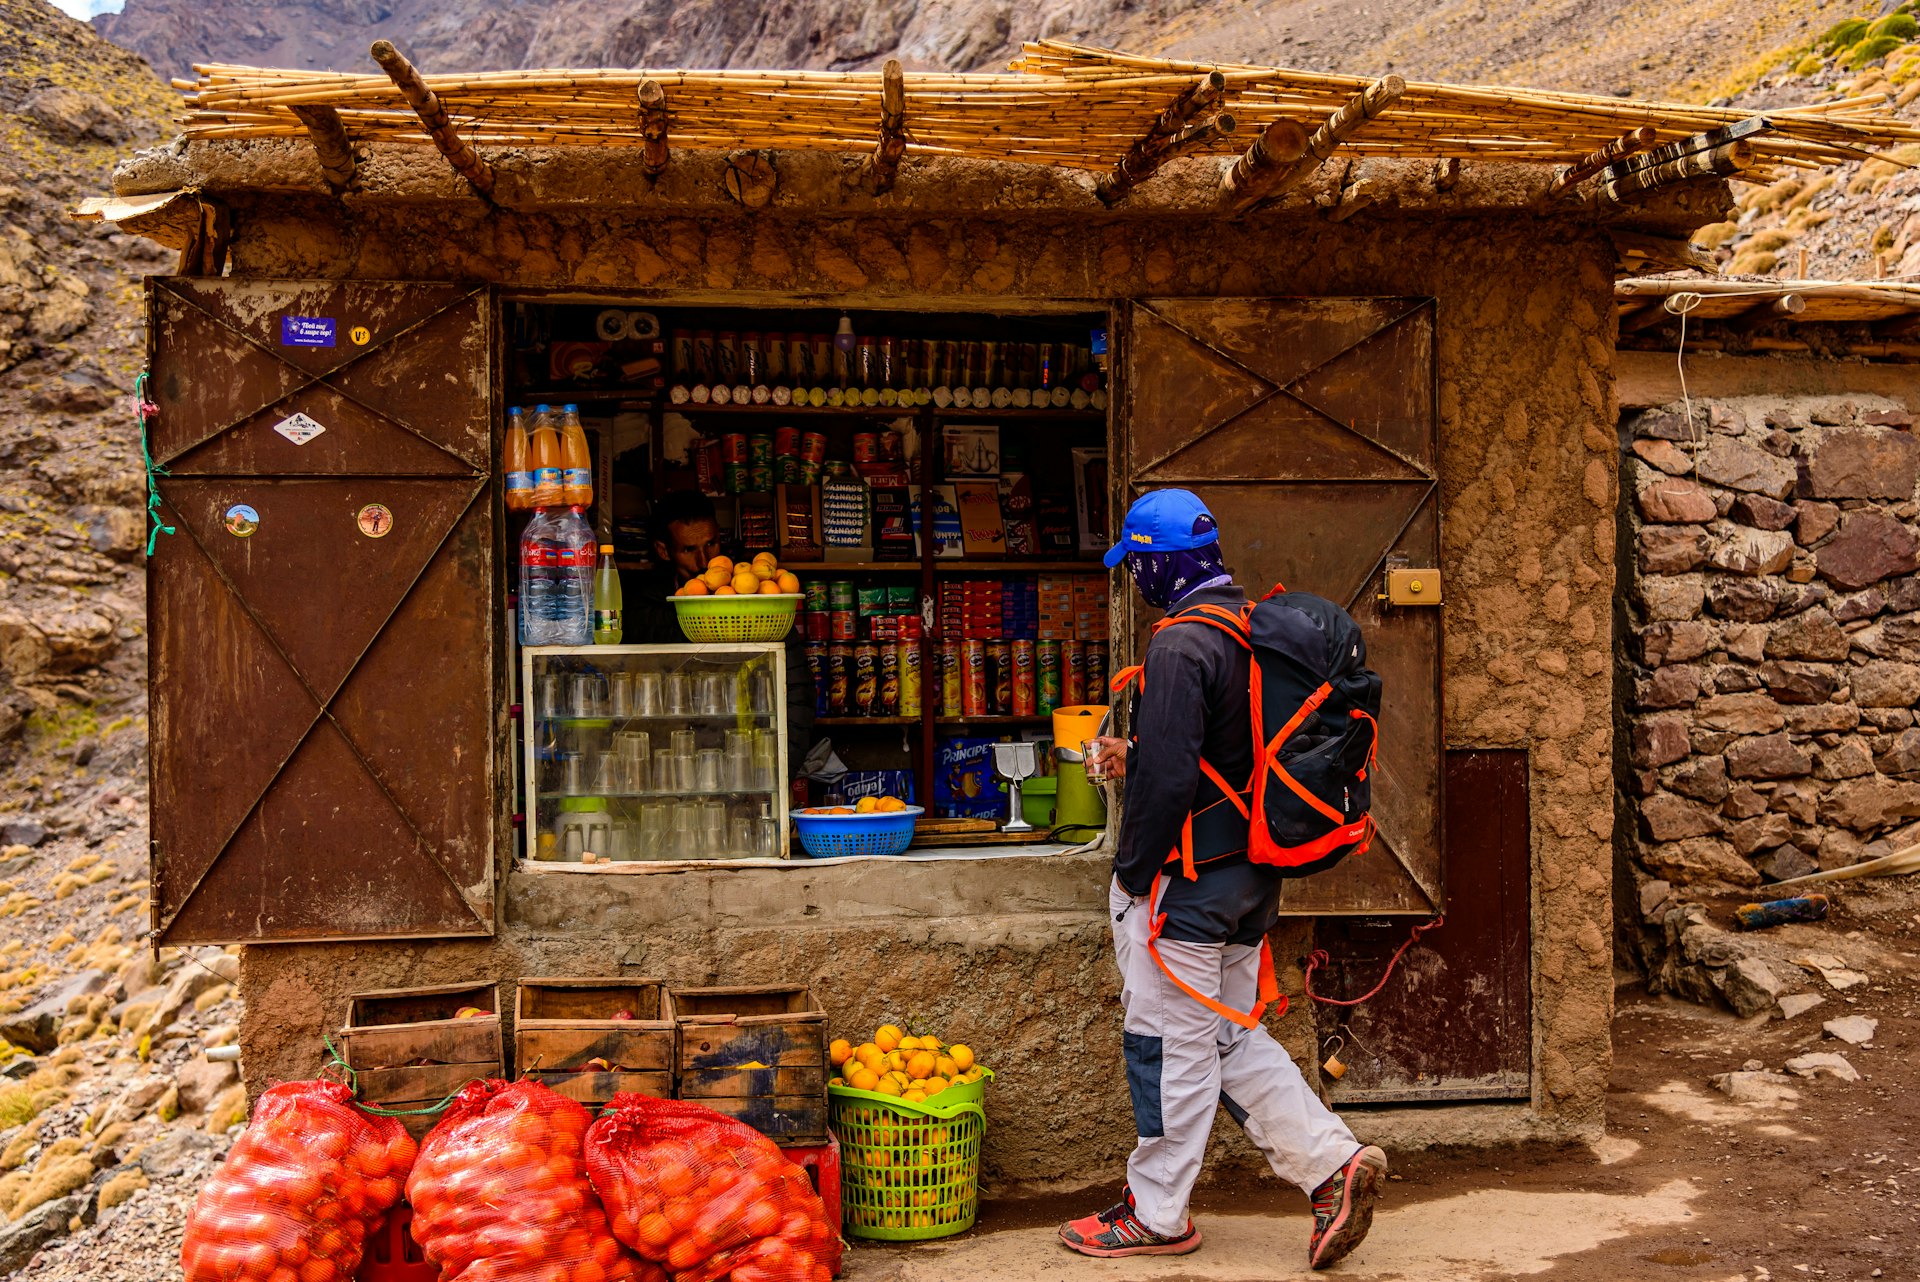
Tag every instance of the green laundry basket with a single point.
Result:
(908, 1172)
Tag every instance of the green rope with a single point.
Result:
(353, 1084)
(144, 410)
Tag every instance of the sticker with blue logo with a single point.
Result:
(306, 331)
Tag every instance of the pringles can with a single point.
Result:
(1048, 665)
(953, 672)
(909, 663)
(1073, 671)
(839, 679)
(866, 679)
(973, 693)
(1023, 679)
(889, 702)
(1000, 673)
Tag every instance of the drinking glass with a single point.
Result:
(760, 691)
(647, 699)
(589, 695)
(620, 687)
(600, 838)
(663, 770)
(573, 840)
(653, 831)
(716, 694)
(573, 774)
(626, 841)
(633, 747)
(706, 770)
(739, 762)
(764, 761)
(743, 836)
(685, 843)
(713, 828)
(606, 773)
(679, 696)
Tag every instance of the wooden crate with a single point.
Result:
(562, 1025)
(389, 1033)
(758, 1054)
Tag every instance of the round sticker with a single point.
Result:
(361, 335)
(375, 520)
(242, 520)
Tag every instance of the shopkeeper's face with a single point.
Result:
(692, 545)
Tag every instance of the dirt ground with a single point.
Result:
(1689, 1184)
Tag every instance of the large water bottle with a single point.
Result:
(537, 567)
(576, 556)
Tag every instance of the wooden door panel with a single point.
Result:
(1455, 1020)
(323, 687)
(1307, 425)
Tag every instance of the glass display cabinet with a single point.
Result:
(655, 752)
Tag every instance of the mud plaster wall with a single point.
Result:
(1528, 467)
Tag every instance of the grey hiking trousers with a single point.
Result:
(1184, 1061)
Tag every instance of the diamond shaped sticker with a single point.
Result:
(298, 428)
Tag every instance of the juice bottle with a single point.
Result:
(576, 464)
(606, 600)
(543, 457)
(519, 471)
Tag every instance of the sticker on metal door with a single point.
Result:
(306, 331)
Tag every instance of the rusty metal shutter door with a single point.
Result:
(324, 658)
(1309, 427)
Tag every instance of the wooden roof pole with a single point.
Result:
(1167, 134)
(1594, 161)
(1727, 159)
(426, 105)
(653, 128)
(881, 167)
(329, 139)
(1766, 312)
(1272, 154)
(1340, 126)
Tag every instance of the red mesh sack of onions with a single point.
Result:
(300, 1189)
(707, 1196)
(500, 1193)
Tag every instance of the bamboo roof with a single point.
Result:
(1059, 104)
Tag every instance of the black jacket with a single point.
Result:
(651, 620)
(1194, 705)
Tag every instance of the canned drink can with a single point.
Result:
(866, 679)
(909, 677)
(866, 447)
(952, 673)
(786, 442)
(819, 666)
(760, 448)
(819, 626)
(1000, 673)
(845, 625)
(817, 595)
(840, 595)
(1048, 663)
(813, 448)
(1023, 679)
(974, 691)
(889, 705)
(839, 679)
(1073, 671)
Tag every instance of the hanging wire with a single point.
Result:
(334, 1061)
(145, 410)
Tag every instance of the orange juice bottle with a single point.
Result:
(514, 463)
(543, 456)
(576, 464)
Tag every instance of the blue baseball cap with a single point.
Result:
(1164, 521)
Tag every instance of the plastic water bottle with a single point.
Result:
(556, 579)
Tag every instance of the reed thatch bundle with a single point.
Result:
(1060, 105)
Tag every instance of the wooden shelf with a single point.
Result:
(1066, 415)
(1035, 720)
(658, 399)
(866, 721)
(960, 566)
(852, 567)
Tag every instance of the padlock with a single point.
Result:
(1334, 1067)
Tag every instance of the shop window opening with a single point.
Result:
(769, 559)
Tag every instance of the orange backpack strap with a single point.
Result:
(1269, 993)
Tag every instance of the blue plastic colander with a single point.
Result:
(826, 836)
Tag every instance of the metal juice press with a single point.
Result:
(1015, 763)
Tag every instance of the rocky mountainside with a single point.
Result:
(110, 1116)
(1687, 48)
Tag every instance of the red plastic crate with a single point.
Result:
(821, 1162)
(392, 1254)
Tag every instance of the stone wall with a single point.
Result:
(1528, 466)
(1772, 655)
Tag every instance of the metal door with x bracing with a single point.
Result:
(323, 619)
(1307, 425)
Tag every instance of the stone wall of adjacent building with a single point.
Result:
(1770, 642)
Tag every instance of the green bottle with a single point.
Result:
(606, 600)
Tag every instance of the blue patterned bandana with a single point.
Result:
(1165, 577)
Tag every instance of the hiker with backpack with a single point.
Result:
(1253, 733)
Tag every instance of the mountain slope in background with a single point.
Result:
(1683, 48)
